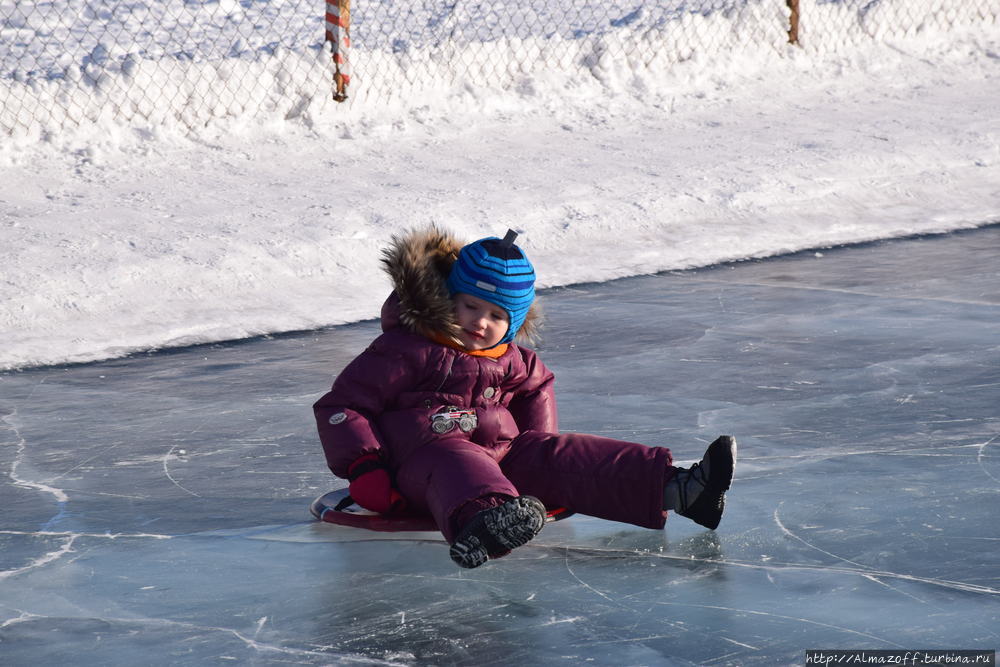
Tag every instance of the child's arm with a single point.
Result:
(534, 402)
(345, 416)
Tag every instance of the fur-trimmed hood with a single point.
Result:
(419, 262)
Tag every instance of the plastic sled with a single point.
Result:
(337, 507)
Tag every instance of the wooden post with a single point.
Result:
(338, 33)
(793, 21)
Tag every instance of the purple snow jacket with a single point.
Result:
(384, 400)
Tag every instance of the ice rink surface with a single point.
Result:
(155, 508)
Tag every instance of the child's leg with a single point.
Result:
(618, 480)
(480, 512)
(443, 476)
(601, 477)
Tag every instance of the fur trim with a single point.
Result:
(418, 262)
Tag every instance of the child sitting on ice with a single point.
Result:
(445, 414)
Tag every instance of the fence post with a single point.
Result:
(338, 33)
(793, 21)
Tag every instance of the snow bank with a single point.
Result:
(263, 209)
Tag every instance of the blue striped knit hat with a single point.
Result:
(497, 271)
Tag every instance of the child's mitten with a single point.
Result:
(371, 487)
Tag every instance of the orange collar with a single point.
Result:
(493, 353)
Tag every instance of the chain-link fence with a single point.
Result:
(837, 26)
(68, 62)
(426, 46)
(65, 63)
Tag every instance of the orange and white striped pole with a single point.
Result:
(338, 33)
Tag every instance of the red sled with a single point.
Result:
(338, 507)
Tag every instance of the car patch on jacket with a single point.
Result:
(446, 420)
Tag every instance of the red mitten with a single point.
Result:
(371, 487)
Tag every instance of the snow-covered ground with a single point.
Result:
(116, 238)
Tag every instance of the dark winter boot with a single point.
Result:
(493, 532)
(699, 492)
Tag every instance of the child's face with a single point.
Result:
(482, 323)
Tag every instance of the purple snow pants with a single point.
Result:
(600, 477)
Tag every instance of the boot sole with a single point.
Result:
(494, 532)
